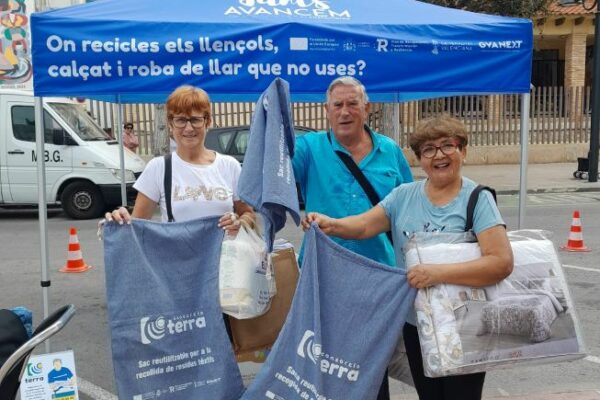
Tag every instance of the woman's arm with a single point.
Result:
(495, 264)
(144, 207)
(362, 226)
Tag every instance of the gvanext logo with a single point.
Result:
(503, 44)
(335, 366)
(155, 329)
(302, 8)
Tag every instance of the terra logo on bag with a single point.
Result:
(159, 327)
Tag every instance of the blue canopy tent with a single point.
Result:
(127, 51)
(139, 51)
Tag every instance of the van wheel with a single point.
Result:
(82, 200)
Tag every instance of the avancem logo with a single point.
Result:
(307, 348)
(156, 329)
(302, 8)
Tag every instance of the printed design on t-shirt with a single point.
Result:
(427, 227)
(214, 193)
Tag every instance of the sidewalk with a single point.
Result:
(541, 178)
(582, 395)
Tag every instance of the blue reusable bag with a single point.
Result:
(344, 323)
(267, 180)
(168, 335)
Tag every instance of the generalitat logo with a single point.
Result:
(155, 329)
(328, 364)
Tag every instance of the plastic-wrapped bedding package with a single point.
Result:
(528, 318)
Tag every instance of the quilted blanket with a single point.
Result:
(526, 315)
(526, 318)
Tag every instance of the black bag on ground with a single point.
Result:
(12, 334)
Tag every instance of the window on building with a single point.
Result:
(547, 69)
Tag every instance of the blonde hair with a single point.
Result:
(434, 128)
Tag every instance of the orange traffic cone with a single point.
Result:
(75, 261)
(575, 241)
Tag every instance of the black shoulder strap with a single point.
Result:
(167, 185)
(361, 179)
(473, 202)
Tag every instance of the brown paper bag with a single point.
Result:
(260, 333)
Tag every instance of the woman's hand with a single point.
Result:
(230, 222)
(120, 215)
(326, 224)
(422, 276)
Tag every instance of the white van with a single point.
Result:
(82, 161)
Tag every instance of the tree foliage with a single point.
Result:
(516, 8)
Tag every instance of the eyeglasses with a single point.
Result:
(129, 127)
(429, 151)
(181, 122)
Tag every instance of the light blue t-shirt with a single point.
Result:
(329, 188)
(410, 210)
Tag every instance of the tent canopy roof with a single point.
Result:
(139, 51)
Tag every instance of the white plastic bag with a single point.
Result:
(246, 281)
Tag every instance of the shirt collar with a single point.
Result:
(375, 139)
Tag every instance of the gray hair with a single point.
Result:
(347, 81)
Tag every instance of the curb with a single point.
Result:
(575, 395)
(583, 395)
(549, 190)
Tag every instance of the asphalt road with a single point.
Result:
(88, 336)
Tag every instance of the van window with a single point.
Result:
(23, 124)
(79, 121)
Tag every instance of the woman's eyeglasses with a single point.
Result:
(181, 122)
(429, 151)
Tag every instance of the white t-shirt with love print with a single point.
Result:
(196, 190)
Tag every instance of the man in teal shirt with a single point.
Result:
(328, 186)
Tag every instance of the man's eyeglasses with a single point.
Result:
(181, 122)
(129, 127)
(429, 151)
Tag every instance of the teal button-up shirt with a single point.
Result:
(328, 187)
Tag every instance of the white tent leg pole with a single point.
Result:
(525, 97)
(121, 151)
(42, 211)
